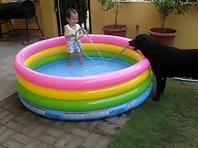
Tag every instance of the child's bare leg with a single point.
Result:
(70, 58)
(80, 58)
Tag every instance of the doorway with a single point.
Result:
(83, 9)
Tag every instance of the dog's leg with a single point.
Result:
(160, 87)
(163, 84)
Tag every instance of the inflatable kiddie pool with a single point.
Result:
(82, 98)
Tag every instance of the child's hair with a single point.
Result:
(68, 12)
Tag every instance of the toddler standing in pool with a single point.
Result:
(73, 42)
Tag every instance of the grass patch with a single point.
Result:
(172, 122)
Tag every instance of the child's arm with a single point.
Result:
(66, 33)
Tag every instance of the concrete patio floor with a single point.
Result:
(21, 128)
(8, 49)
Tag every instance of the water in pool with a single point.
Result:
(89, 68)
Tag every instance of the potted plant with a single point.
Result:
(114, 29)
(165, 7)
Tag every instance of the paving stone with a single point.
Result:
(3, 114)
(80, 132)
(37, 131)
(7, 105)
(54, 132)
(91, 140)
(112, 120)
(1, 146)
(107, 129)
(26, 114)
(35, 117)
(21, 138)
(44, 145)
(16, 110)
(6, 135)
(29, 128)
(22, 120)
(14, 125)
(32, 144)
(68, 126)
(7, 118)
(3, 129)
(106, 132)
(89, 125)
(59, 124)
(5, 101)
(60, 143)
(46, 121)
(12, 144)
(47, 138)
(74, 142)
(37, 144)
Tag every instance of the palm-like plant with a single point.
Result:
(165, 7)
(111, 5)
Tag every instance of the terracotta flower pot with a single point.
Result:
(118, 30)
(164, 35)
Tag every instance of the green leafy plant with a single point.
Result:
(165, 7)
(114, 5)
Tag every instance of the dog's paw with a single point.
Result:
(156, 99)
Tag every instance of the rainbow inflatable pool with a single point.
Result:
(81, 98)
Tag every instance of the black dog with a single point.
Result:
(166, 61)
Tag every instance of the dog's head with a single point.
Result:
(142, 42)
